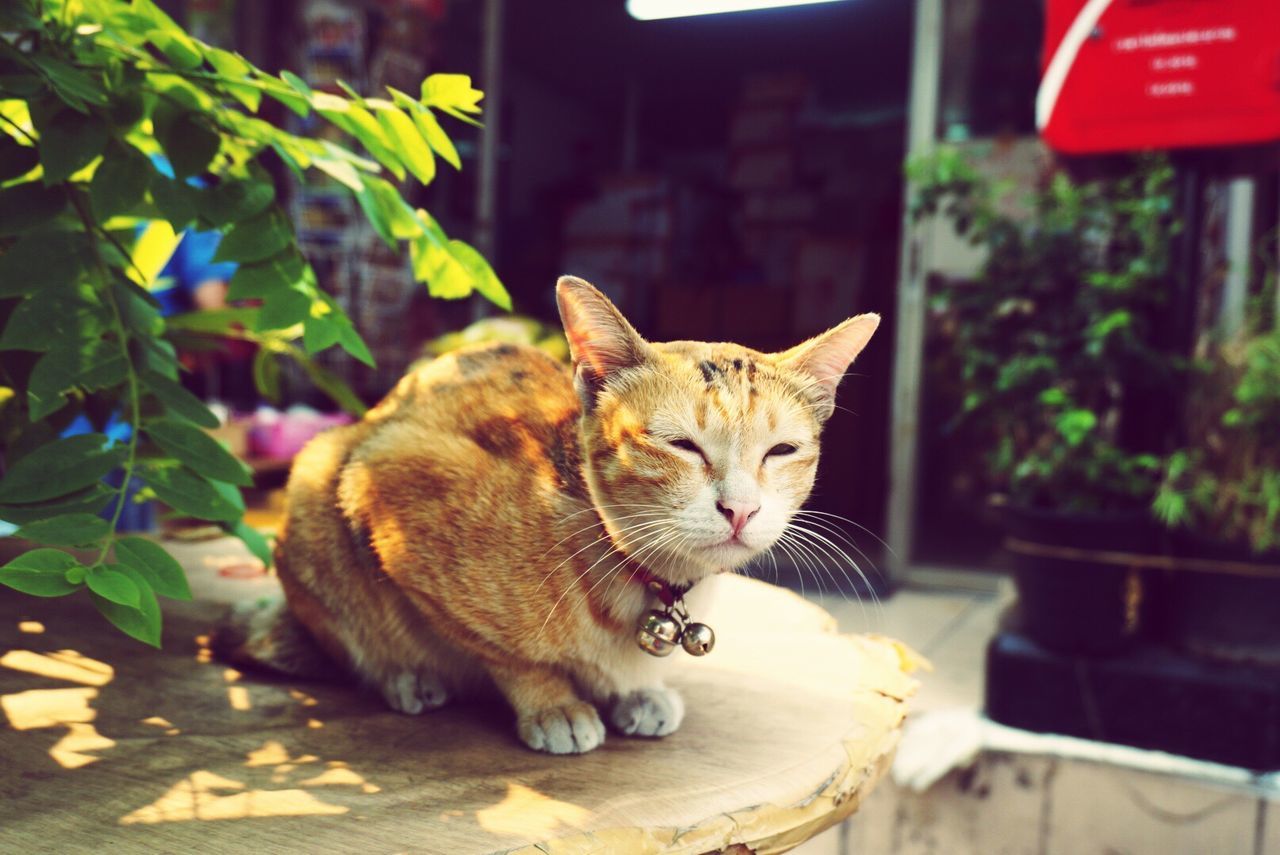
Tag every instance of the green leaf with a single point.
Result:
(90, 500)
(179, 48)
(120, 181)
(484, 279)
(235, 67)
(388, 212)
(253, 539)
(214, 321)
(198, 450)
(188, 493)
(40, 573)
(40, 260)
(407, 142)
(95, 364)
(284, 93)
(60, 467)
(128, 107)
(50, 319)
(176, 200)
(297, 84)
(283, 308)
(76, 88)
(452, 93)
(111, 584)
(1053, 397)
(137, 308)
(66, 530)
(1075, 425)
(257, 238)
(69, 141)
(340, 170)
(24, 207)
(159, 356)
(16, 159)
(141, 623)
(266, 374)
(161, 570)
(231, 493)
(236, 199)
(353, 344)
(319, 333)
(435, 136)
(361, 124)
(434, 264)
(255, 281)
(177, 400)
(189, 144)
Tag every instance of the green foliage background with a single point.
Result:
(89, 91)
(1058, 333)
(1225, 484)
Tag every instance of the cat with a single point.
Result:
(491, 522)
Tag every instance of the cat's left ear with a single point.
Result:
(824, 359)
(600, 339)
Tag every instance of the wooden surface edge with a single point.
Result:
(773, 828)
(766, 829)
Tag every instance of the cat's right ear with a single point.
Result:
(600, 339)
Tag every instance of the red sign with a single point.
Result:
(1139, 74)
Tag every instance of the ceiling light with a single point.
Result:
(649, 10)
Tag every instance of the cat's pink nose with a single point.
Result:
(738, 513)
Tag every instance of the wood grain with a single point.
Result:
(109, 743)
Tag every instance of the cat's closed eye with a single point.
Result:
(781, 450)
(685, 444)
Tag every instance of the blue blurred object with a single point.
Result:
(192, 262)
(135, 516)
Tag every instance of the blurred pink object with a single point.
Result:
(279, 436)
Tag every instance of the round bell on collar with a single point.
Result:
(658, 633)
(697, 639)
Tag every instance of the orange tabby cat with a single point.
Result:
(486, 524)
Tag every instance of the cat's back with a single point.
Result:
(498, 412)
(490, 394)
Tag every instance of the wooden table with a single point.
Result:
(110, 743)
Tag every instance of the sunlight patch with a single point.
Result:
(529, 813)
(81, 737)
(66, 665)
(208, 796)
(48, 707)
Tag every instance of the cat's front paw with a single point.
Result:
(648, 712)
(573, 728)
(414, 692)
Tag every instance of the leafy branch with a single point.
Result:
(119, 132)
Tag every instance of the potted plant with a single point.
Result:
(1054, 349)
(1220, 496)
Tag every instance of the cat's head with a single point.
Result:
(696, 454)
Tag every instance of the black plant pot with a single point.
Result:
(1074, 605)
(1225, 616)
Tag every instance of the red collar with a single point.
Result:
(665, 591)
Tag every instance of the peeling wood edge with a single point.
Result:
(771, 828)
(765, 829)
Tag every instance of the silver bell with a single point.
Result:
(698, 639)
(658, 633)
